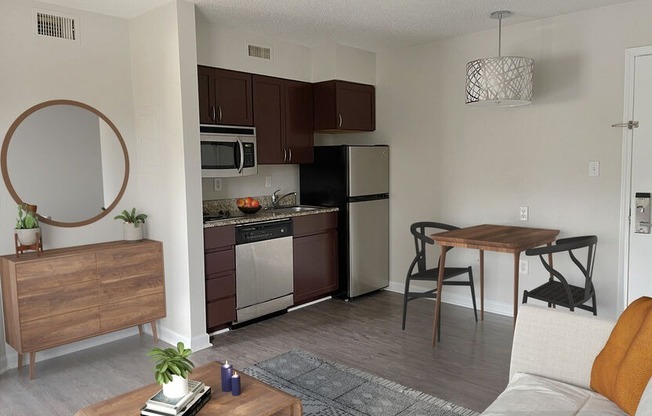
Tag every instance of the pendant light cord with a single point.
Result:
(500, 32)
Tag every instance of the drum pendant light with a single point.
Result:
(503, 81)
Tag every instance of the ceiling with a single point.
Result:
(368, 24)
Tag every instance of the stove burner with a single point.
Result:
(221, 215)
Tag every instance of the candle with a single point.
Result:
(227, 373)
(235, 384)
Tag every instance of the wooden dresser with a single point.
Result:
(74, 293)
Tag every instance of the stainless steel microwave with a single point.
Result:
(228, 151)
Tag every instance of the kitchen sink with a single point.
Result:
(290, 210)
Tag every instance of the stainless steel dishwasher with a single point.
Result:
(263, 268)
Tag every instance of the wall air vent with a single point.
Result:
(261, 52)
(54, 26)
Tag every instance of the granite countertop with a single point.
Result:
(266, 215)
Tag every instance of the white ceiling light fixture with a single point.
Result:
(502, 81)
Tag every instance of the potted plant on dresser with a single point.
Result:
(28, 232)
(133, 231)
(172, 369)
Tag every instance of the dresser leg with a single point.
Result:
(20, 362)
(32, 365)
(140, 329)
(154, 334)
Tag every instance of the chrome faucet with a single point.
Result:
(277, 199)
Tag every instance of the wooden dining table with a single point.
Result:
(488, 237)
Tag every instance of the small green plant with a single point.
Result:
(171, 361)
(131, 217)
(26, 219)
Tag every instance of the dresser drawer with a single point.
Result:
(44, 274)
(59, 300)
(144, 258)
(59, 329)
(130, 312)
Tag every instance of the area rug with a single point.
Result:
(332, 389)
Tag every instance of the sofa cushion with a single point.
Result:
(531, 395)
(624, 366)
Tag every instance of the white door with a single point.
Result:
(637, 174)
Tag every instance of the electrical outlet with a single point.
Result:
(523, 267)
(523, 213)
(268, 181)
(217, 184)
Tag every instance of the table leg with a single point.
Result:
(440, 279)
(154, 333)
(32, 365)
(482, 285)
(517, 256)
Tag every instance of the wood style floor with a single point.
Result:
(469, 367)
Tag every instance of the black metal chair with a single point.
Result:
(419, 271)
(557, 290)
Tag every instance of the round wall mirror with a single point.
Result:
(68, 159)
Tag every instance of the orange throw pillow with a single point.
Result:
(624, 366)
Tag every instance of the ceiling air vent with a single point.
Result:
(51, 25)
(260, 52)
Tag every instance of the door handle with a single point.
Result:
(285, 154)
(213, 112)
(289, 154)
(339, 120)
(219, 113)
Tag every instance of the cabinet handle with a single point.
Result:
(219, 112)
(213, 112)
(290, 154)
(339, 120)
(285, 155)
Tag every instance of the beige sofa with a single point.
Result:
(550, 369)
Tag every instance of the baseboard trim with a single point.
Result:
(11, 359)
(499, 308)
(196, 343)
(3, 364)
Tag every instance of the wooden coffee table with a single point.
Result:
(257, 398)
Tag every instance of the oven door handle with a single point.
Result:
(241, 167)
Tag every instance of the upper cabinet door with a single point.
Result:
(206, 82)
(268, 110)
(233, 98)
(299, 137)
(283, 119)
(344, 106)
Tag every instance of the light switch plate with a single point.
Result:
(594, 168)
(217, 184)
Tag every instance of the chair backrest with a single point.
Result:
(421, 231)
(568, 245)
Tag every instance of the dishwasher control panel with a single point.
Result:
(252, 232)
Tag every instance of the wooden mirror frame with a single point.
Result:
(5, 169)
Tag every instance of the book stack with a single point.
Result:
(159, 405)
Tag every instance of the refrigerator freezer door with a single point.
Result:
(368, 170)
(368, 246)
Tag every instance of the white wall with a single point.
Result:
(165, 97)
(95, 70)
(337, 61)
(466, 166)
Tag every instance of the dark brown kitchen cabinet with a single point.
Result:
(219, 267)
(315, 256)
(342, 106)
(225, 97)
(283, 118)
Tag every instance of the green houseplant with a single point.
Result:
(172, 369)
(131, 227)
(27, 225)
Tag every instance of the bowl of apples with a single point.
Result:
(248, 205)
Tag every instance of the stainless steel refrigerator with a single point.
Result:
(356, 180)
